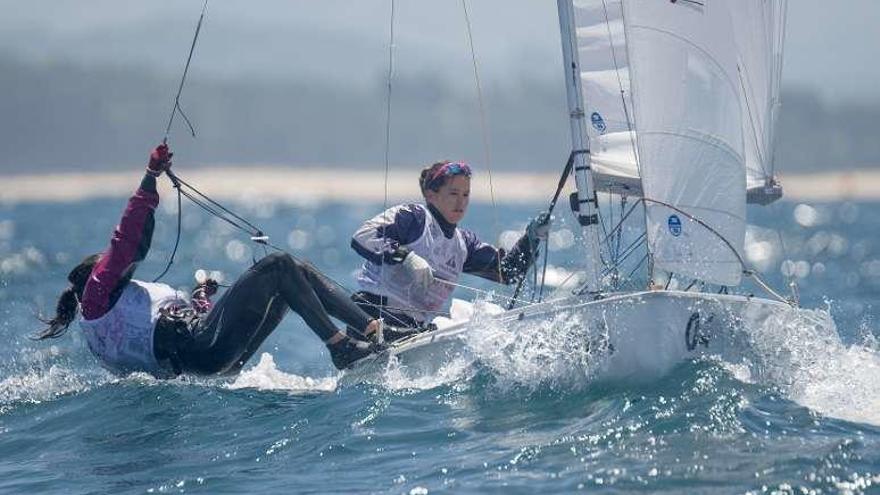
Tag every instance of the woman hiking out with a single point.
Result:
(136, 326)
(414, 253)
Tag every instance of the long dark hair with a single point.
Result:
(67, 306)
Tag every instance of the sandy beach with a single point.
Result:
(303, 185)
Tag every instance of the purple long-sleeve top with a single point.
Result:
(129, 245)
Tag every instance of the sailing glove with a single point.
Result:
(160, 160)
(539, 227)
(419, 270)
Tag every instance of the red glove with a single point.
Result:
(160, 160)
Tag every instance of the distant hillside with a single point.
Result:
(61, 117)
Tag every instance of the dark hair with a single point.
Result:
(67, 306)
(425, 181)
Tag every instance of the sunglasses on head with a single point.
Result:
(452, 168)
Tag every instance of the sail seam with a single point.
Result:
(702, 50)
(714, 142)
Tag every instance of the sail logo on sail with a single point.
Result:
(674, 224)
(598, 122)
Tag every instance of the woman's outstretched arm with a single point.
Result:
(129, 244)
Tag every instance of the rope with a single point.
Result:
(474, 289)
(176, 108)
(253, 229)
(256, 235)
(176, 241)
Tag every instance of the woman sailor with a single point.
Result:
(414, 253)
(136, 326)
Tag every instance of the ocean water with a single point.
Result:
(803, 416)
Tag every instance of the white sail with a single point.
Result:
(606, 86)
(686, 95)
(759, 26)
(602, 50)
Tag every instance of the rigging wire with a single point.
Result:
(623, 200)
(388, 108)
(214, 208)
(566, 172)
(492, 294)
(745, 269)
(620, 85)
(747, 90)
(484, 127)
(632, 131)
(782, 31)
(256, 235)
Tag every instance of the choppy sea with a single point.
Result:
(809, 422)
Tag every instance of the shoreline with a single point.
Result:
(307, 185)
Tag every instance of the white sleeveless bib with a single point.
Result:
(123, 338)
(446, 257)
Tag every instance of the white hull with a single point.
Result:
(641, 334)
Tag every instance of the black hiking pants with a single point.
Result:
(223, 340)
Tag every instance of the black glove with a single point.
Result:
(539, 227)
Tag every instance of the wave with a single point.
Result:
(265, 375)
(801, 355)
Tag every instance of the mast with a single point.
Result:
(587, 213)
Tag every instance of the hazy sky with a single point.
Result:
(831, 46)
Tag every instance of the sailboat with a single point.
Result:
(672, 105)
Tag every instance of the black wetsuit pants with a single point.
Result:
(223, 340)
